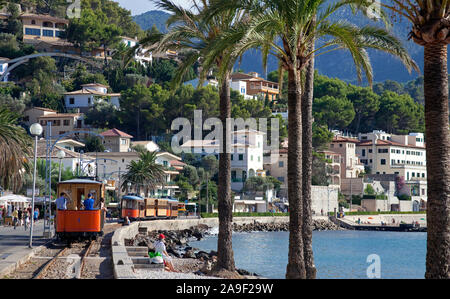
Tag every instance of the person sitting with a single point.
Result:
(89, 203)
(161, 248)
(61, 202)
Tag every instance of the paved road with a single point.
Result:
(14, 243)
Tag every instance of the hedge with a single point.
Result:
(242, 214)
(378, 213)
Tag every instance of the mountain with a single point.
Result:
(153, 17)
(334, 64)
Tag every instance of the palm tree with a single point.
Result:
(287, 29)
(15, 149)
(144, 173)
(430, 29)
(194, 33)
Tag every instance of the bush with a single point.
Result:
(379, 213)
(404, 197)
(244, 214)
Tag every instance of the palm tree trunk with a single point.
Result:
(225, 256)
(438, 160)
(307, 101)
(296, 264)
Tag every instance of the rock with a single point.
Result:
(202, 255)
(189, 254)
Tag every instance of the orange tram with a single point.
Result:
(138, 208)
(75, 223)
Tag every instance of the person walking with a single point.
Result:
(26, 219)
(15, 216)
(36, 214)
(19, 216)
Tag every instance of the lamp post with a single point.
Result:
(128, 185)
(35, 130)
(61, 155)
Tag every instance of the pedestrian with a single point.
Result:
(19, 216)
(36, 214)
(27, 219)
(15, 216)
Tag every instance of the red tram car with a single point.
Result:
(138, 208)
(75, 223)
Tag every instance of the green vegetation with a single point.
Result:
(379, 213)
(243, 214)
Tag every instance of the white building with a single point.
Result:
(404, 155)
(113, 164)
(89, 94)
(246, 156)
(142, 56)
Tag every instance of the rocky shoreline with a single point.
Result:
(200, 262)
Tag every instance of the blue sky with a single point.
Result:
(140, 6)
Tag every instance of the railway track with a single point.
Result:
(81, 260)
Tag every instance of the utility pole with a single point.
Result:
(351, 190)
(207, 193)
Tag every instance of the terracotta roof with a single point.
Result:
(42, 109)
(60, 115)
(387, 143)
(43, 17)
(41, 148)
(177, 163)
(95, 84)
(344, 139)
(115, 133)
(245, 77)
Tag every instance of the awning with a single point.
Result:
(15, 198)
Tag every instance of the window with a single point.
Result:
(259, 159)
(340, 145)
(383, 162)
(165, 163)
(58, 33)
(408, 152)
(392, 162)
(280, 163)
(281, 179)
(57, 122)
(33, 22)
(423, 191)
(61, 132)
(332, 145)
(46, 32)
(67, 122)
(123, 141)
(232, 157)
(72, 101)
(89, 101)
(392, 151)
(363, 152)
(33, 31)
(398, 151)
(251, 157)
(370, 150)
(241, 157)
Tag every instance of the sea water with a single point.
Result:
(337, 254)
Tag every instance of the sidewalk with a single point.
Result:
(14, 246)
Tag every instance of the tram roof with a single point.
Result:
(81, 181)
(132, 197)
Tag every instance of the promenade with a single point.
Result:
(14, 245)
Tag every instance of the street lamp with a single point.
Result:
(128, 185)
(61, 155)
(35, 130)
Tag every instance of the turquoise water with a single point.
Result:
(337, 254)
